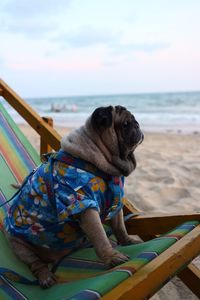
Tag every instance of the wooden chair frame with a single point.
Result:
(149, 278)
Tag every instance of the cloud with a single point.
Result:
(147, 47)
(86, 37)
(27, 9)
(29, 28)
(50, 65)
(124, 54)
(1, 62)
(113, 41)
(34, 19)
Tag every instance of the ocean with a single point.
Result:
(157, 112)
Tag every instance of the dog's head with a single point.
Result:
(122, 123)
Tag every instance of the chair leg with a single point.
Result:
(191, 277)
(44, 146)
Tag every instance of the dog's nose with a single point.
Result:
(142, 137)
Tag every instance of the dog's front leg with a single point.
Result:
(119, 230)
(92, 226)
(24, 251)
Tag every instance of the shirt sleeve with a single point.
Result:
(75, 196)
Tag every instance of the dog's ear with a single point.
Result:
(102, 117)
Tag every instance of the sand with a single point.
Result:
(167, 179)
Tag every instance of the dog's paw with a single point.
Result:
(15, 186)
(115, 258)
(46, 279)
(130, 240)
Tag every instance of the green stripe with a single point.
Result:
(102, 284)
(3, 295)
(6, 179)
(10, 261)
(30, 149)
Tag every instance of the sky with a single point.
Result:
(95, 47)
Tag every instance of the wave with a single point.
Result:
(160, 112)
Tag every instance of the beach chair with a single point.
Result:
(81, 275)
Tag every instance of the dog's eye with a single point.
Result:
(126, 124)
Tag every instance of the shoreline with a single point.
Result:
(33, 136)
(179, 130)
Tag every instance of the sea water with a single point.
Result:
(157, 112)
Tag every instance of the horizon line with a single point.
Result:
(115, 94)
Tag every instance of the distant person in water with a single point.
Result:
(63, 108)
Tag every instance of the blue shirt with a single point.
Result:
(48, 214)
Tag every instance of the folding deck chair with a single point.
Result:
(81, 275)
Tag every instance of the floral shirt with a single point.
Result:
(45, 210)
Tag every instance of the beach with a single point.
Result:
(166, 180)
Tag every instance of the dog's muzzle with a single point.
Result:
(138, 139)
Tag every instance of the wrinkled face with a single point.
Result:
(126, 127)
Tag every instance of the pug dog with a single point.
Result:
(69, 197)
